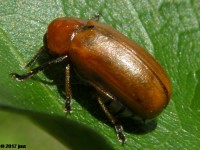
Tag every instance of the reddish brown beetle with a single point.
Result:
(117, 67)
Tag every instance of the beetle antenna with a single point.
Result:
(40, 51)
(35, 57)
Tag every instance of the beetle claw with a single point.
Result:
(67, 112)
(16, 76)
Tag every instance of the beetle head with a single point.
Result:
(60, 33)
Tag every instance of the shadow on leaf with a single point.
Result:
(68, 132)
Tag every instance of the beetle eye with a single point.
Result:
(88, 27)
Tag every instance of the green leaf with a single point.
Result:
(68, 132)
(20, 130)
(168, 29)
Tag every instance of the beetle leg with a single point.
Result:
(68, 90)
(101, 90)
(96, 17)
(113, 120)
(37, 69)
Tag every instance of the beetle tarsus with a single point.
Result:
(119, 132)
(96, 17)
(19, 77)
(68, 105)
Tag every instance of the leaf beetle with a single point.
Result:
(133, 82)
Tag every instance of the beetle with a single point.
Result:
(129, 81)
